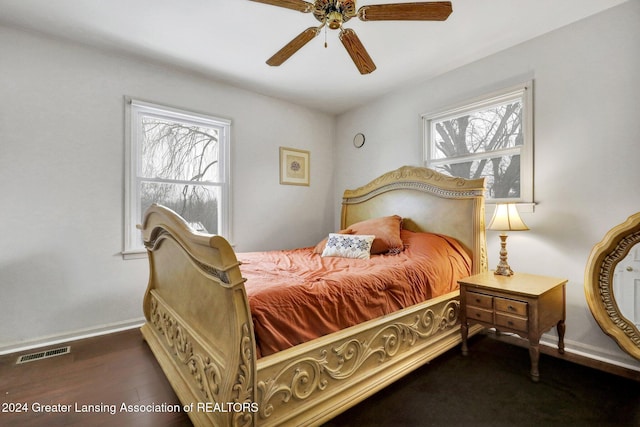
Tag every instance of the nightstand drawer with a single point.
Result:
(479, 300)
(512, 322)
(510, 306)
(479, 314)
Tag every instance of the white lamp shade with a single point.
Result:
(506, 218)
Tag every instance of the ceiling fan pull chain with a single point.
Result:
(325, 36)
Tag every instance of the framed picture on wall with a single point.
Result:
(294, 166)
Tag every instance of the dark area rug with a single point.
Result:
(491, 387)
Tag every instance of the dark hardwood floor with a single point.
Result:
(490, 387)
(113, 369)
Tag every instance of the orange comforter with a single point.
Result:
(296, 295)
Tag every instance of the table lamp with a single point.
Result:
(505, 218)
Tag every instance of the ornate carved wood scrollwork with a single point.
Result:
(306, 376)
(421, 179)
(598, 284)
(419, 186)
(205, 371)
(244, 380)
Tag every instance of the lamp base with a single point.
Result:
(503, 268)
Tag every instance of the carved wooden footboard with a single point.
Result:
(199, 326)
(198, 321)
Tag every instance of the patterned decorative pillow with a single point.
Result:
(348, 246)
(320, 246)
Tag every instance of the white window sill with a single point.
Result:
(522, 207)
(134, 254)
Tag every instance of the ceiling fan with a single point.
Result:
(333, 13)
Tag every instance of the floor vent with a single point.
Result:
(43, 355)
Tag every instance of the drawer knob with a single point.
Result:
(477, 299)
(510, 323)
(512, 308)
(477, 314)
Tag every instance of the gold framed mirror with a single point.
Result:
(612, 284)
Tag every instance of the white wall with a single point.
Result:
(61, 180)
(587, 147)
(61, 166)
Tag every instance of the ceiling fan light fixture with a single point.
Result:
(334, 20)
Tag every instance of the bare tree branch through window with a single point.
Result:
(486, 139)
(186, 158)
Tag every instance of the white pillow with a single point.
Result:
(349, 245)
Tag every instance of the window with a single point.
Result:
(178, 159)
(491, 138)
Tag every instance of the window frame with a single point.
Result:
(524, 93)
(134, 109)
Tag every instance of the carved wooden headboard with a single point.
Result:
(427, 201)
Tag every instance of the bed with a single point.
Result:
(200, 325)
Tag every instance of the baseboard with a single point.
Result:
(71, 336)
(576, 353)
(591, 352)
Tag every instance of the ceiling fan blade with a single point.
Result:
(356, 51)
(299, 5)
(293, 46)
(420, 11)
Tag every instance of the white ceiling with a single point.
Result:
(230, 40)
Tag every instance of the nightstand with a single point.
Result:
(524, 304)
